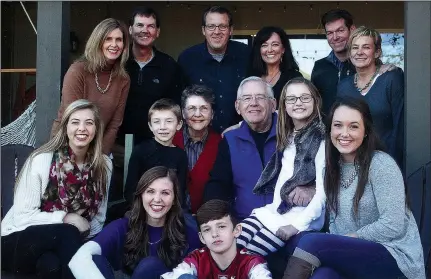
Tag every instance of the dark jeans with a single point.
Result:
(44, 249)
(148, 268)
(348, 257)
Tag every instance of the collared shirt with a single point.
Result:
(224, 77)
(193, 148)
(334, 59)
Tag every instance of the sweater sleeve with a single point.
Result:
(112, 128)
(73, 89)
(388, 188)
(316, 207)
(396, 88)
(219, 185)
(28, 194)
(98, 221)
(108, 243)
(189, 265)
(259, 271)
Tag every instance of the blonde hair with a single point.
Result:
(93, 54)
(367, 32)
(285, 124)
(94, 154)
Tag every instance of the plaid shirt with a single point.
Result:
(193, 148)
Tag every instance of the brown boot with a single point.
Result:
(298, 269)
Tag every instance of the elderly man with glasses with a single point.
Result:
(243, 154)
(219, 63)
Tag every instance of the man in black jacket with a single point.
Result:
(328, 71)
(153, 75)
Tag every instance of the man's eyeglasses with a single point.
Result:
(306, 98)
(212, 27)
(201, 109)
(248, 98)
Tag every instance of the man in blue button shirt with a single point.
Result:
(218, 63)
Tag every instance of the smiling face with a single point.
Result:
(254, 104)
(164, 124)
(272, 50)
(219, 235)
(299, 104)
(157, 200)
(217, 39)
(81, 129)
(113, 46)
(337, 34)
(347, 132)
(144, 31)
(198, 113)
(363, 53)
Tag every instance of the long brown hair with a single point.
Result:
(285, 124)
(95, 155)
(364, 154)
(93, 56)
(173, 243)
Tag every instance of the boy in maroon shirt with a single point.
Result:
(220, 259)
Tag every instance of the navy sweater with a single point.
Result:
(386, 101)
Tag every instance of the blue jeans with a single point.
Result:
(348, 257)
(188, 276)
(148, 268)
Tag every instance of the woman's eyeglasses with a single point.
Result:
(306, 98)
(201, 109)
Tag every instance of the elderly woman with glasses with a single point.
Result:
(198, 139)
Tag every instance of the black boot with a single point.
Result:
(298, 269)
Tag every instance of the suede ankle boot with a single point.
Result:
(298, 269)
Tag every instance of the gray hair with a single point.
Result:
(268, 87)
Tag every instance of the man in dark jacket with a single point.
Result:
(328, 71)
(219, 63)
(153, 75)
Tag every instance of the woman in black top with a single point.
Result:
(272, 60)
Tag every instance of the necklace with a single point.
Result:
(152, 243)
(369, 82)
(345, 183)
(107, 87)
(276, 74)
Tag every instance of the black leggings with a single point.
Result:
(44, 249)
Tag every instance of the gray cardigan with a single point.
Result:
(382, 217)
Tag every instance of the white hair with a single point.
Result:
(268, 87)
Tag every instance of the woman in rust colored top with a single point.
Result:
(99, 76)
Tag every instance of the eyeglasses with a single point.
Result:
(248, 98)
(201, 109)
(306, 98)
(212, 27)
